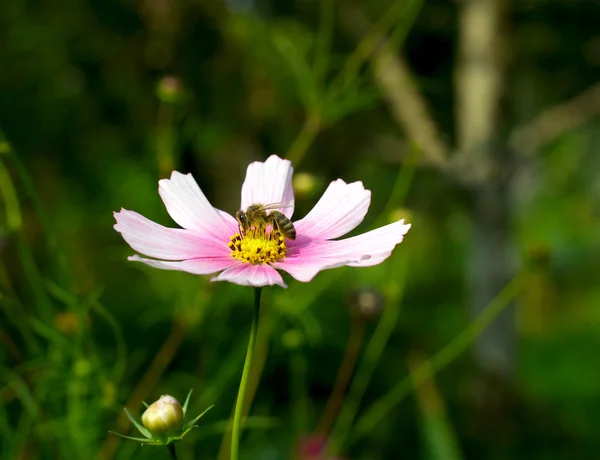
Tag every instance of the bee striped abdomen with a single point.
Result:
(283, 224)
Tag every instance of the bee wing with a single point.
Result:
(280, 205)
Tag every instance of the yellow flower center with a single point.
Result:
(258, 246)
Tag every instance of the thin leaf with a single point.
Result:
(187, 402)
(140, 427)
(132, 438)
(191, 423)
(186, 431)
(306, 81)
(323, 45)
(438, 435)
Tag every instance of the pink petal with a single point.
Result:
(372, 247)
(306, 256)
(305, 269)
(341, 208)
(187, 205)
(251, 275)
(201, 266)
(269, 182)
(154, 240)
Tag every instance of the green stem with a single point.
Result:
(239, 405)
(165, 139)
(400, 188)
(312, 126)
(336, 398)
(8, 194)
(373, 352)
(367, 423)
(323, 44)
(172, 451)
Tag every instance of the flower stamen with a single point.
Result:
(258, 245)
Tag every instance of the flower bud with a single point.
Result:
(164, 418)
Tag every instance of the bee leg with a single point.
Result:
(276, 227)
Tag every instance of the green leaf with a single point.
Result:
(302, 72)
(188, 426)
(132, 438)
(187, 402)
(140, 427)
(438, 436)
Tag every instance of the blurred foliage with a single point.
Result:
(100, 99)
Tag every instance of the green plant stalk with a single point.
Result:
(323, 45)
(375, 347)
(343, 378)
(165, 139)
(16, 313)
(11, 202)
(160, 362)
(28, 186)
(172, 451)
(400, 189)
(261, 350)
(398, 33)
(34, 279)
(120, 359)
(298, 388)
(311, 128)
(365, 48)
(449, 353)
(239, 405)
(258, 423)
(368, 46)
(437, 433)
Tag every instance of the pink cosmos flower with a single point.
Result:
(211, 241)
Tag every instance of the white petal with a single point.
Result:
(269, 182)
(154, 240)
(373, 247)
(251, 275)
(307, 257)
(201, 266)
(304, 269)
(187, 205)
(341, 208)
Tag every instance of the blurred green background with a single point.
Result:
(474, 120)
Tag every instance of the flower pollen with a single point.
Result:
(258, 246)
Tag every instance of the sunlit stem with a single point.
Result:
(239, 405)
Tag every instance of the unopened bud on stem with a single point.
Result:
(164, 418)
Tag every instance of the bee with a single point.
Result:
(256, 216)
